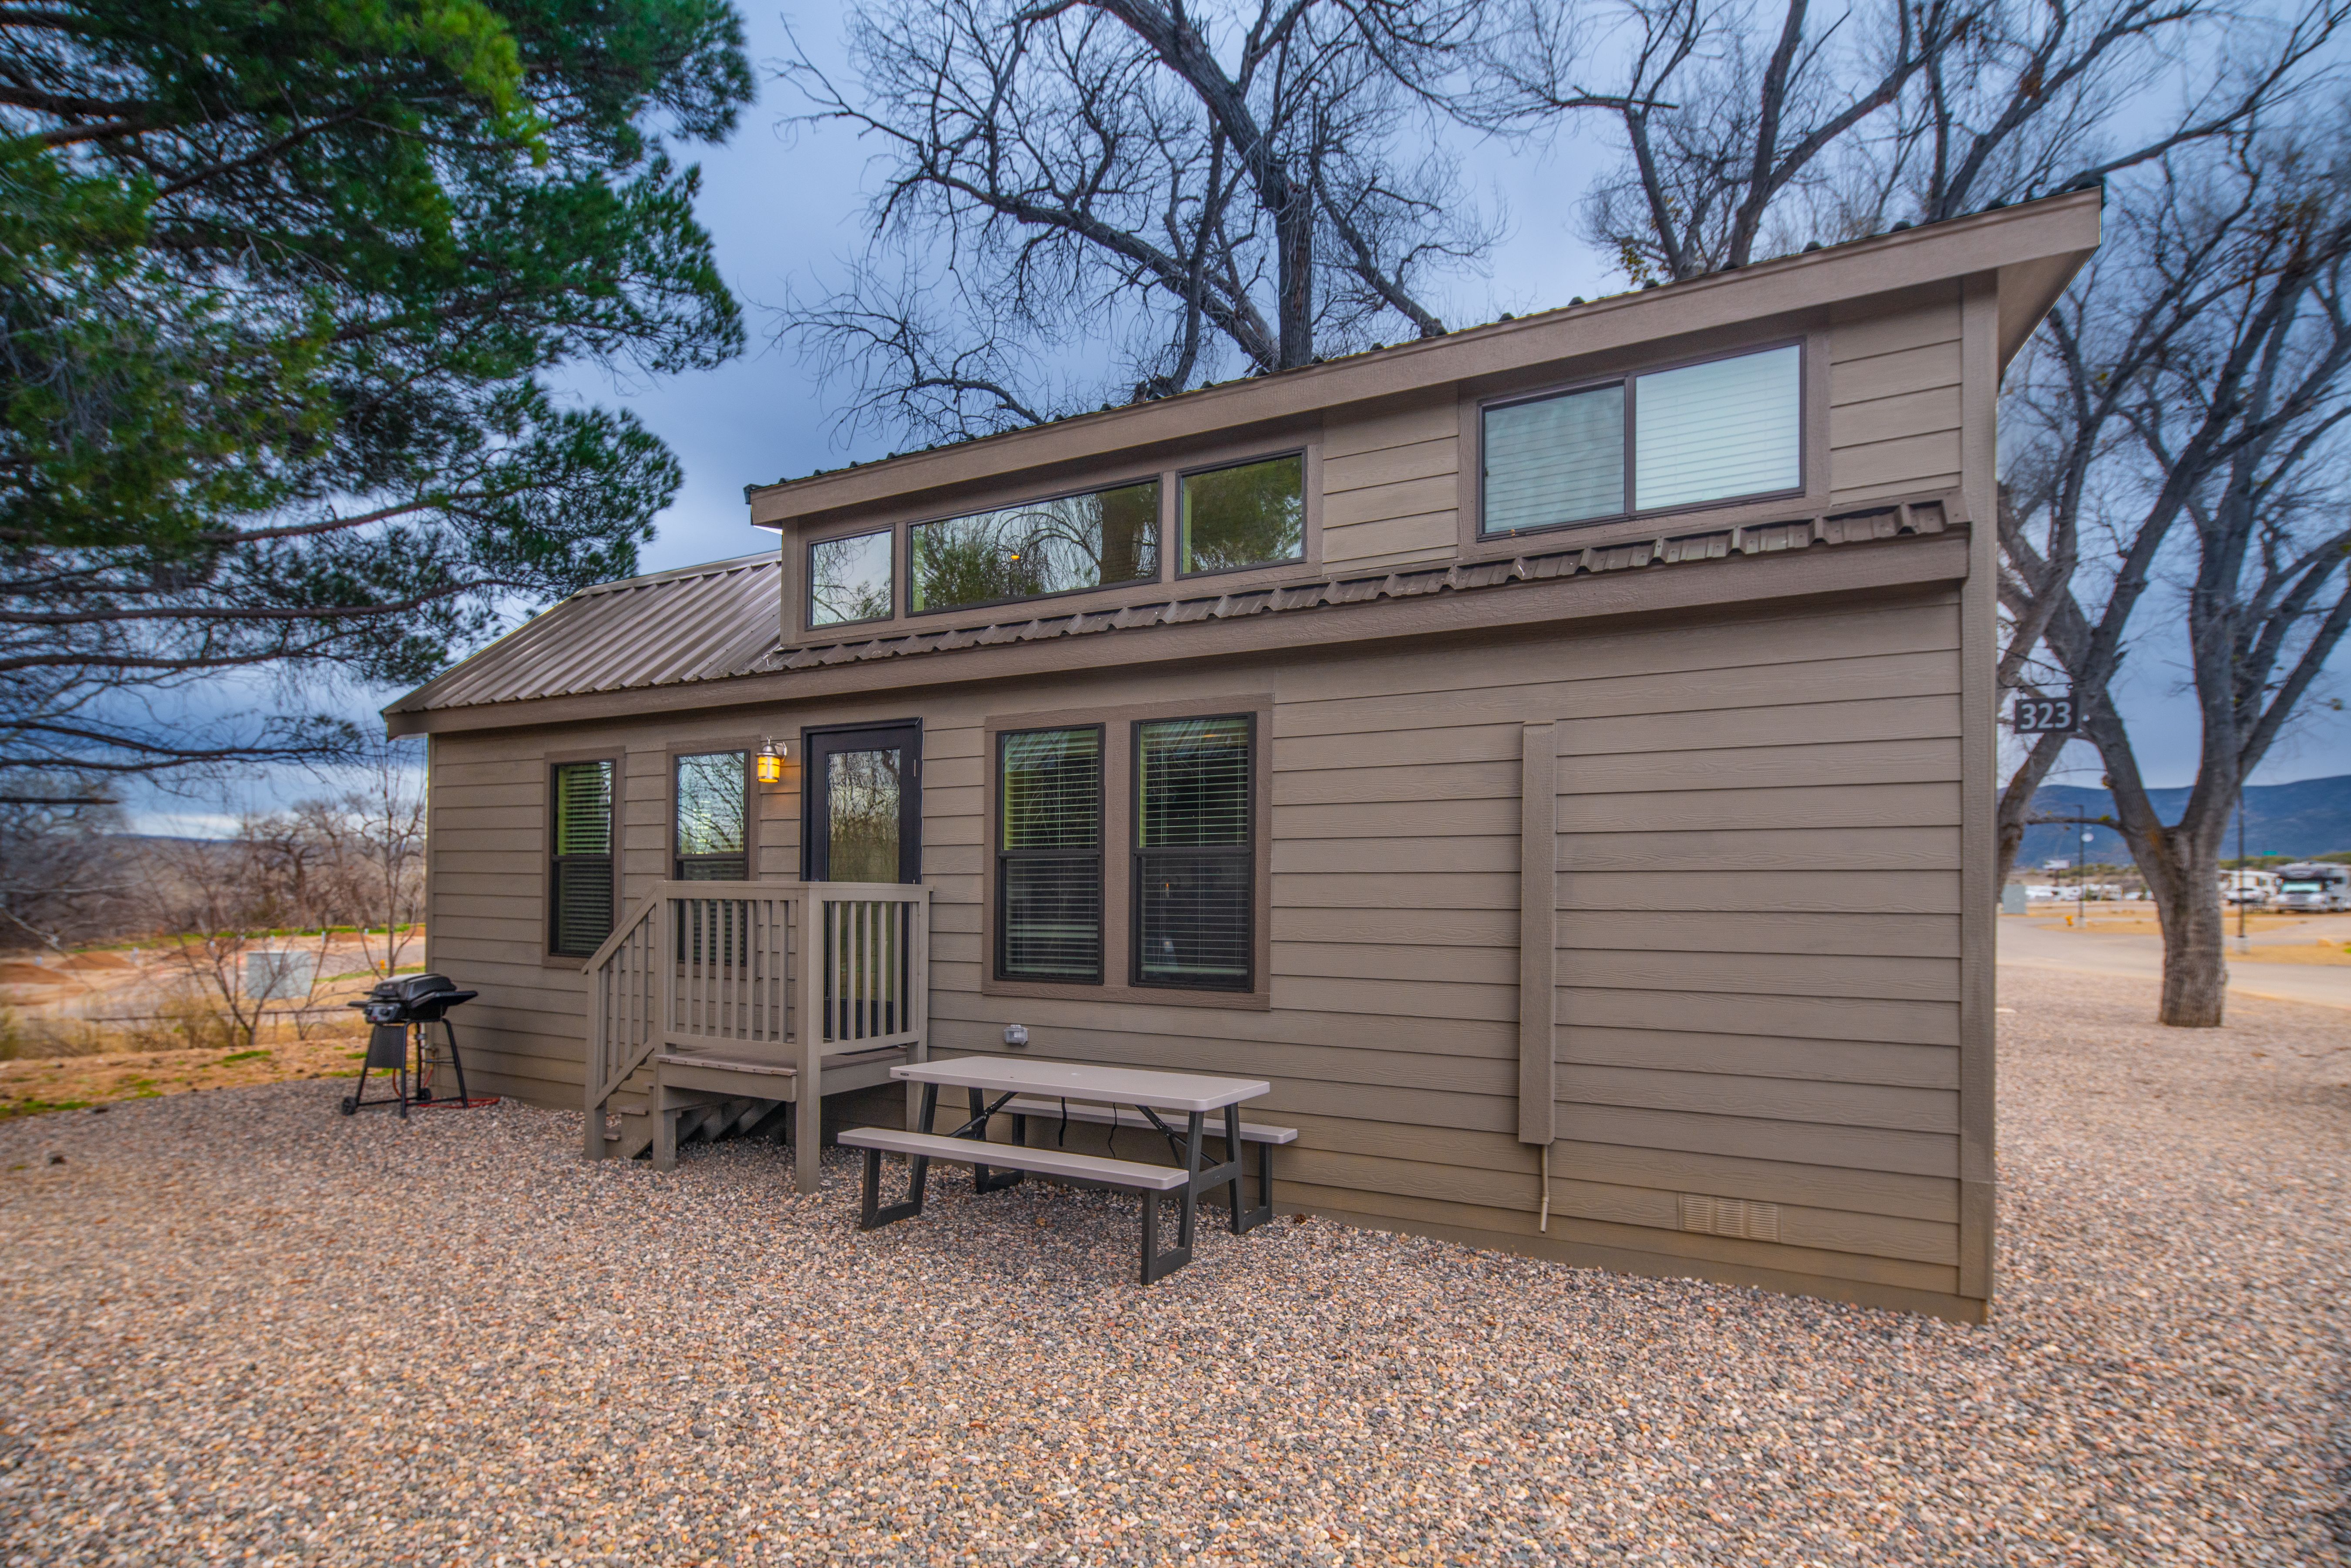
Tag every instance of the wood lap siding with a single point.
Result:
(1742, 805)
(1390, 489)
(1795, 1007)
(1894, 400)
(1757, 929)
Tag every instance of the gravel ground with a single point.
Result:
(242, 1328)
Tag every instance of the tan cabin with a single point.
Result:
(1557, 755)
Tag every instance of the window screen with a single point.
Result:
(1093, 540)
(1253, 514)
(1049, 864)
(1557, 460)
(1728, 427)
(582, 902)
(849, 580)
(713, 818)
(1194, 862)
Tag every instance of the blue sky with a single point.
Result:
(785, 203)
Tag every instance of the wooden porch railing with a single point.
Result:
(772, 972)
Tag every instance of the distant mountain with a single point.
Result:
(2309, 817)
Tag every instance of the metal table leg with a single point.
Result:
(871, 1212)
(977, 1128)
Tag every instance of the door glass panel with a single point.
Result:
(864, 796)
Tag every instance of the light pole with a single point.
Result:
(2081, 883)
(2240, 888)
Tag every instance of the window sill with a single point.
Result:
(1129, 995)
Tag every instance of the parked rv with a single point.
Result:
(2314, 886)
(2255, 888)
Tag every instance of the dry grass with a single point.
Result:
(31, 1085)
(2141, 921)
(2321, 950)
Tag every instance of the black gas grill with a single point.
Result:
(400, 1013)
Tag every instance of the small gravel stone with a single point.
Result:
(245, 1328)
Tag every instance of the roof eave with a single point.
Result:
(1908, 561)
(2034, 242)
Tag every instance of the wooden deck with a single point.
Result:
(713, 1004)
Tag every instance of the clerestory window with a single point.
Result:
(1719, 430)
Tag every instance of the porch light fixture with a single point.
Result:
(772, 760)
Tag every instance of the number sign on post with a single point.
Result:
(2051, 715)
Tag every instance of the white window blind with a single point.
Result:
(1049, 882)
(1558, 460)
(1728, 427)
(1192, 861)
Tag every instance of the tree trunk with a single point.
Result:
(2195, 931)
(1293, 226)
(2014, 812)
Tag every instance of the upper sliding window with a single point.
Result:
(1716, 430)
(580, 908)
(1250, 514)
(1049, 855)
(1098, 539)
(712, 832)
(849, 580)
(1194, 860)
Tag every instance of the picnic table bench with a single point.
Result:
(1120, 1096)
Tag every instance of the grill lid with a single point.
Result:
(411, 988)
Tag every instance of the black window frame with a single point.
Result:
(1629, 379)
(808, 579)
(1100, 855)
(1246, 852)
(1176, 533)
(1157, 478)
(556, 860)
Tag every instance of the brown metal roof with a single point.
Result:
(717, 622)
(697, 623)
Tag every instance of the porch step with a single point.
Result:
(769, 1079)
(714, 1097)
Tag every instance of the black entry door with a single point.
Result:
(861, 803)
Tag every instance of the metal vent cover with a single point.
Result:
(1739, 1216)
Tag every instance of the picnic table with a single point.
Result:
(1123, 1097)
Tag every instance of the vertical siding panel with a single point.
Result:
(1538, 925)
